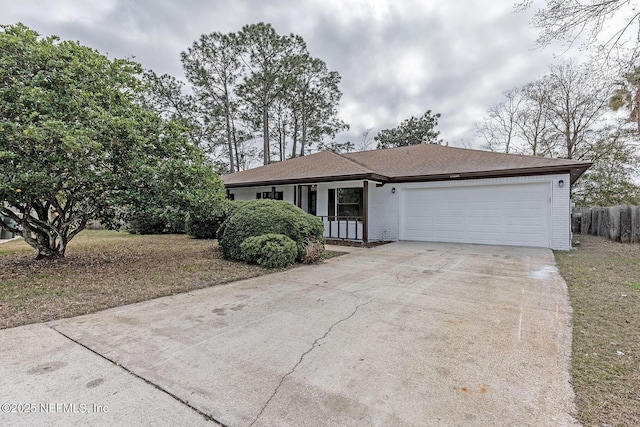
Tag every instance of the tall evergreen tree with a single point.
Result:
(412, 131)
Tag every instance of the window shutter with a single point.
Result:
(332, 202)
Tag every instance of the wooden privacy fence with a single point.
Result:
(619, 223)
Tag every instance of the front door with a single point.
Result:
(313, 197)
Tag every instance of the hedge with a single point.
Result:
(258, 217)
(270, 250)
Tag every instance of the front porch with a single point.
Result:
(342, 205)
(343, 209)
(343, 228)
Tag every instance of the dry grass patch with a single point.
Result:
(604, 286)
(104, 269)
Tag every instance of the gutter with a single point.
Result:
(575, 171)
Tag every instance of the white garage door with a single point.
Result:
(509, 214)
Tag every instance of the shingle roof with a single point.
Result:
(423, 162)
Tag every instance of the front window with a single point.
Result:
(277, 195)
(349, 201)
(345, 202)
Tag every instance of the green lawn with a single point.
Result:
(603, 278)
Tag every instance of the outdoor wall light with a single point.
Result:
(393, 190)
(561, 183)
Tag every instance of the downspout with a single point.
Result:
(365, 213)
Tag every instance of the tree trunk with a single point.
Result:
(294, 150)
(303, 140)
(282, 140)
(49, 253)
(235, 144)
(635, 107)
(265, 132)
(229, 135)
(48, 247)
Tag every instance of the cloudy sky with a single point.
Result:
(397, 58)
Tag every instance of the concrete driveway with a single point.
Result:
(405, 334)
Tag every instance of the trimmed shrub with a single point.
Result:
(258, 217)
(270, 250)
(230, 210)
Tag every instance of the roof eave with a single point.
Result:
(311, 180)
(575, 171)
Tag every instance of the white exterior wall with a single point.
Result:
(249, 193)
(384, 205)
(384, 212)
(322, 202)
(561, 213)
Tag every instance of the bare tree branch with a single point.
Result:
(589, 23)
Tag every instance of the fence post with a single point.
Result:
(585, 220)
(614, 223)
(576, 218)
(635, 224)
(625, 224)
(598, 223)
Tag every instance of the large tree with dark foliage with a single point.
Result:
(77, 145)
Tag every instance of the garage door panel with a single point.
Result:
(485, 235)
(513, 214)
(452, 218)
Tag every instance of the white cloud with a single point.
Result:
(396, 58)
(87, 12)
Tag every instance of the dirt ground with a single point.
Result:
(104, 269)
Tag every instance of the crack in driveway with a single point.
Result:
(315, 343)
(129, 371)
(342, 291)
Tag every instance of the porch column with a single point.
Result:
(365, 214)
